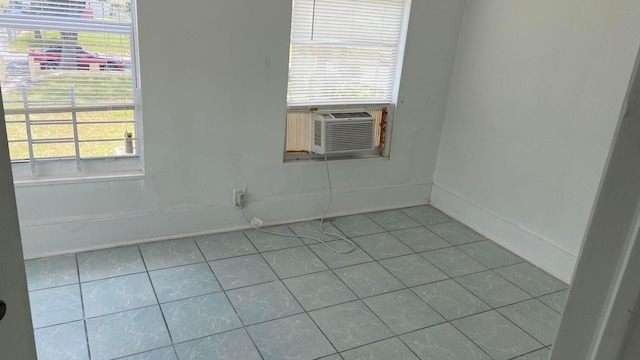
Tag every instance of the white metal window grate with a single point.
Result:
(344, 51)
(68, 77)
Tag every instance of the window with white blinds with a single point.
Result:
(68, 76)
(344, 51)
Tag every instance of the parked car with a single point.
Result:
(49, 58)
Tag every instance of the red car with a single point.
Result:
(49, 58)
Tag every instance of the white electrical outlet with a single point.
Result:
(238, 197)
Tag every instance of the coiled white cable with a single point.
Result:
(351, 243)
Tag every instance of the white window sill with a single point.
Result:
(79, 178)
(64, 171)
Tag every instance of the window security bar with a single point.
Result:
(72, 109)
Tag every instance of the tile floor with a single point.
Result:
(419, 286)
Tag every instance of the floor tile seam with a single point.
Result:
(387, 230)
(513, 283)
(450, 322)
(542, 302)
(145, 351)
(456, 279)
(357, 299)
(379, 341)
(495, 273)
(434, 234)
(226, 232)
(401, 282)
(153, 288)
(84, 322)
(446, 272)
(489, 267)
(244, 328)
(113, 277)
(471, 340)
(283, 284)
(53, 287)
(75, 259)
(527, 353)
(307, 313)
(229, 257)
(521, 328)
(174, 344)
(409, 347)
(190, 297)
(365, 297)
(511, 322)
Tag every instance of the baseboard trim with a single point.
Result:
(51, 239)
(531, 247)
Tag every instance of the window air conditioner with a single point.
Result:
(342, 132)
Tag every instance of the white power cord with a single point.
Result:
(351, 243)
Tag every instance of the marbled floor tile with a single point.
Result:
(52, 271)
(225, 245)
(531, 279)
(556, 301)
(263, 302)
(182, 282)
(413, 270)
(535, 318)
(121, 293)
(310, 228)
(199, 316)
(490, 255)
(293, 337)
(164, 254)
(420, 239)
(496, 335)
(382, 246)
(426, 215)
(392, 220)
(242, 271)
(450, 299)
(55, 305)
(368, 279)
(492, 289)
(166, 353)
(336, 260)
(357, 225)
(62, 342)
(127, 333)
(319, 290)
(265, 242)
(384, 350)
(442, 342)
(232, 345)
(102, 264)
(403, 311)
(453, 262)
(455, 233)
(542, 354)
(294, 261)
(350, 325)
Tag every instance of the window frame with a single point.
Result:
(120, 166)
(384, 152)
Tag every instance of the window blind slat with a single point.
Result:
(343, 51)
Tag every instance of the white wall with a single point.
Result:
(535, 97)
(214, 79)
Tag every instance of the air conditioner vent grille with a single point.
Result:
(348, 136)
(343, 132)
